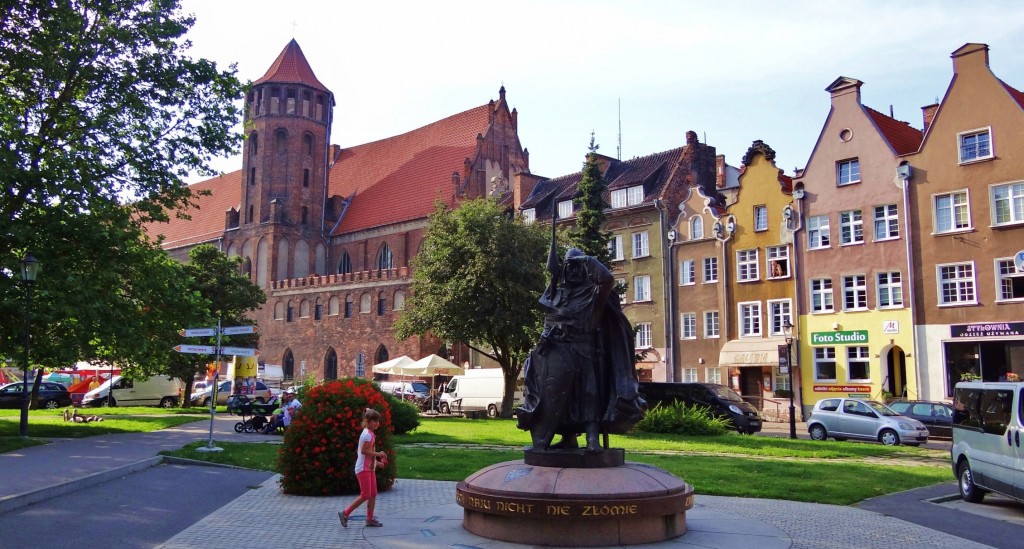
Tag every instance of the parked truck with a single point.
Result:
(477, 390)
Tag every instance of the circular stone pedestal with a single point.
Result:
(574, 507)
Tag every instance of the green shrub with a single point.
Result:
(404, 415)
(680, 419)
(318, 455)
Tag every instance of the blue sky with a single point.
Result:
(731, 71)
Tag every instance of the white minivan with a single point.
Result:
(155, 391)
(987, 455)
(477, 390)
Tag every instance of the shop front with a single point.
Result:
(852, 363)
(983, 351)
(754, 373)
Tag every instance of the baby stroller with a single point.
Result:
(254, 415)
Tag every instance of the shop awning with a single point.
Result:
(751, 352)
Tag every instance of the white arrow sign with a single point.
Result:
(196, 349)
(198, 332)
(238, 351)
(235, 330)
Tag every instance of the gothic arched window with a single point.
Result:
(384, 258)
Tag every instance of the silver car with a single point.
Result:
(843, 418)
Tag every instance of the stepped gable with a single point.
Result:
(207, 223)
(399, 178)
(902, 137)
(291, 67)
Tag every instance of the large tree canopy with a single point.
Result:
(476, 280)
(102, 114)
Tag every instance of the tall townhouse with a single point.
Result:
(641, 192)
(758, 274)
(967, 193)
(856, 323)
(699, 302)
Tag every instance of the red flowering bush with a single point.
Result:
(318, 456)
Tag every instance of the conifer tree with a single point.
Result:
(588, 234)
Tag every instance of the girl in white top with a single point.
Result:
(366, 469)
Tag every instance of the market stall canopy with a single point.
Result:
(433, 365)
(393, 366)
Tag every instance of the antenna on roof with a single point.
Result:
(293, 28)
(891, 115)
(618, 153)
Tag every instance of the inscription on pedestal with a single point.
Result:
(674, 503)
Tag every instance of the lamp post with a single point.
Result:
(29, 270)
(788, 330)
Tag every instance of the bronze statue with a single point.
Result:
(581, 376)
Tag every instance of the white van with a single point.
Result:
(155, 391)
(477, 390)
(987, 455)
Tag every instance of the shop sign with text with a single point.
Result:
(845, 337)
(997, 329)
(842, 388)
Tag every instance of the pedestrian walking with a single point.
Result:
(367, 460)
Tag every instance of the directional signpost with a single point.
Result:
(215, 350)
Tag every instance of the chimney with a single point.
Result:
(720, 171)
(928, 114)
(522, 185)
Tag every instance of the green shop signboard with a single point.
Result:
(846, 337)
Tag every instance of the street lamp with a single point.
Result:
(29, 270)
(788, 330)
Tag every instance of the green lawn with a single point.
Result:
(50, 424)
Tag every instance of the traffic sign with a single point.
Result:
(238, 351)
(198, 332)
(196, 349)
(235, 330)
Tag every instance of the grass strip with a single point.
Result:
(54, 426)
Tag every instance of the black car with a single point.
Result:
(51, 395)
(722, 401)
(937, 416)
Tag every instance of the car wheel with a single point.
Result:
(968, 490)
(444, 408)
(206, 402)
(51, 404)
(492, 411)
(889, 437)
(107, 401)
(818, 432)
(239, 427)
(168, 402)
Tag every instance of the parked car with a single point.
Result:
(936, 416)
(722, 401)
(262, 394)
(51, 395)
(843, 418)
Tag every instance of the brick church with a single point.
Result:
(329, 232)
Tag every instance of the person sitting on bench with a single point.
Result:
(291, 404)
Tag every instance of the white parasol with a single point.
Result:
(393, 366)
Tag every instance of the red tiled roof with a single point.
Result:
(291, 67)
(207, 221)
(399, 178)
(902, 137)
(1014, 93)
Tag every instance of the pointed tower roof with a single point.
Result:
(291, 67)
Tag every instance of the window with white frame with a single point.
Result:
(641, 288)
(750, 319)
(780, 311)
(634, 195)
(710, 269)
(975, 145)
(615, 247)
(817, 232)
(956, 284)
(821, 295)
(825, 363)
(689, 324)
(696, 228)
(781, 380)
(619, 198)
(952, 212)
(889, 287)
(778, 261)
(858, 363)
(713, 375)
(711, 324)
(565, 209)
(887, 222)
(1009, 282)
(641, 247)
(529, 216)
(847, 171)
(760, 218)
(621, 283)
(855, 293)
(1007, 203)
(746, 265)
(851, 227)
(644, 339)
(690, 375)
(687, 274)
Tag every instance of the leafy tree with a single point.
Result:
(102, 114)
(476, 280)
(588, 234)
